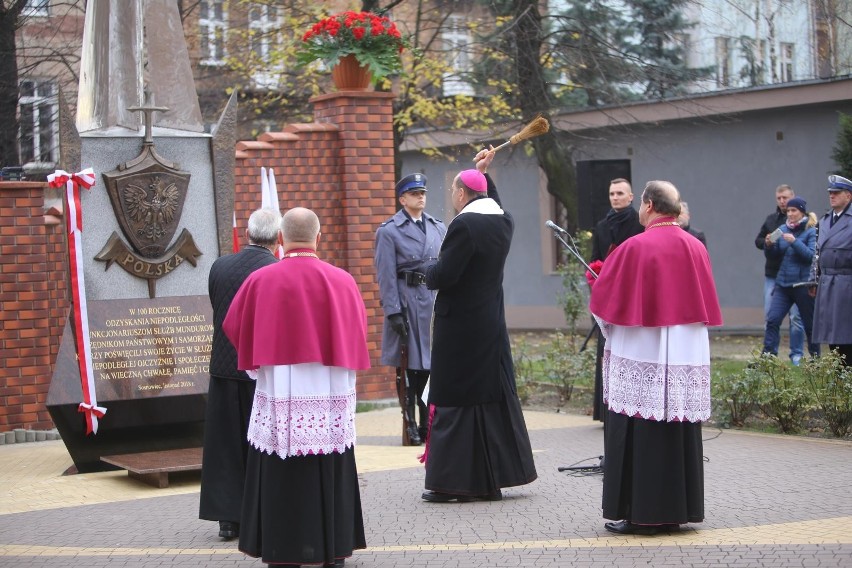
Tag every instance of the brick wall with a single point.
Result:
(33, 304)
(341, 166)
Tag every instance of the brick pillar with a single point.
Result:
(28, 324)
(366, 174)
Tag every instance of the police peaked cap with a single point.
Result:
(839, 183)
(411, 182)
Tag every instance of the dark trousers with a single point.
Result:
(417, 379)
(783, 298)
(845, 350)
(223, 466)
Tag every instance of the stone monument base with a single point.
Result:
(150, 372)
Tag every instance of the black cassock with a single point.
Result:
(478, 441)
(653, 471)
(229, 397)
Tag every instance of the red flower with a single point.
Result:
(596, 268)
(596, 265)
(372, 39)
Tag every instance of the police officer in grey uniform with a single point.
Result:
(832, 271)
(406, 244)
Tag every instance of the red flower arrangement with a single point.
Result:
(596, 266)
(374, 40)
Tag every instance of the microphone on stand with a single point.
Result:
(572, 248)
(551, 225)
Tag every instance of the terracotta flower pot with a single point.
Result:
(349, 75)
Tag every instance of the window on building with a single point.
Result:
(785, 61)
(456, 38)
(762, 62)
(683, 43)
(36, 8)
(38, 113)
(723, 61)
(264, 26)
(213, 26)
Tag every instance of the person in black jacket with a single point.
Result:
(620, 223)
(478, 441)
(229, 398)
(783, 193)
(683, 221)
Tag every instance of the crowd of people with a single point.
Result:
(808, 266)
(279, 469)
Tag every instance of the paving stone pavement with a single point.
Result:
(771, 501)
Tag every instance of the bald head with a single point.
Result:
(300, 227)
(665, 197)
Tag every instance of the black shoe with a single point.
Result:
(491, 496)
(626, 527)
(338, 563)
(423, 431)
(436, 497)
(229, 529)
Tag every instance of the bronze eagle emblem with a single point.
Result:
(153, 210)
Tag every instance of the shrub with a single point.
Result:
(524, 369)
(831, 385)
(783, 396)
(574, 296)
(737, 393)
(564, 363)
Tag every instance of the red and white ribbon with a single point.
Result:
(235, 235)
(72, 183)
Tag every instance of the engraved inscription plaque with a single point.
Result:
(146, 349)
(149, 359)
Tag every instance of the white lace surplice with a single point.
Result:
(657, 373)
(303, 409)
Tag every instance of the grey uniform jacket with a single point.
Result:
(401, 246)
(833, 271)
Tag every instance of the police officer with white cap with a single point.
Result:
(833, 271)
(406, 244)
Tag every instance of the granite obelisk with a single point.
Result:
(151, 230)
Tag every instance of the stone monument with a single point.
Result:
(157, 217)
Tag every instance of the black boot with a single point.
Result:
(423, 431)
(413, 435)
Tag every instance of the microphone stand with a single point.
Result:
(572, 248)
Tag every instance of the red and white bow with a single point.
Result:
(72, 183)
(85, 178)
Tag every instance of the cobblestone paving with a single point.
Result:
(771, 501)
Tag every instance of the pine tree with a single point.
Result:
(658, 26)
(842, 154)
(588, 50)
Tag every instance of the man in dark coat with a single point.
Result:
(230, 395)
(783, 193)
(684, 219)
(478, 441)
(405, 244)
(620, 223)
(833, 271)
